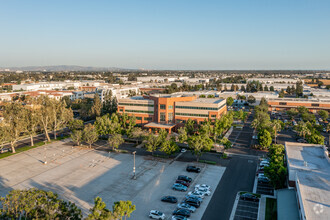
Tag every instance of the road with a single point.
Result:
(238, 176)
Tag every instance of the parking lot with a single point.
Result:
(246, 210)
(265, 189)
(81, 174)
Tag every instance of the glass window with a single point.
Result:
(147, 118)
(138, 118)
(170, 107)
(121, 110)
(282, 103)
(170, 117)
(162, 116)
(315, 105)
(162, 106)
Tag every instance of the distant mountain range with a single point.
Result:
(62, 68)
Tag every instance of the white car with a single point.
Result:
(264, 164)
(183, 150)
(204, 191)
(179, 217)
(156, 215)
(202, 186)
(196, 193)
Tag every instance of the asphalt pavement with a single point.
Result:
(239, 176)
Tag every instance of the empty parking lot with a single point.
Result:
(80, 175)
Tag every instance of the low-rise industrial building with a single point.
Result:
(313, 105)
(308, 172)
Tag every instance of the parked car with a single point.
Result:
(204, 191)
(263, 180)
(183, 150)
(179, 217)
(183, 182)
(182, 212)
(194, 197)
(202, 186)
(193, 202)
(184, 205)
(193, 169)
(249, 197)
(196, 193)
(184, 178)
(301, 140)
(156, 215)
(170, 199)
(179, 187)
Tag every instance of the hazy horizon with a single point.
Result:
(167, 35)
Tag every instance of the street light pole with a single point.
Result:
(134, 177)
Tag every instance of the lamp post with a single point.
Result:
(134, 177)
(45, 162)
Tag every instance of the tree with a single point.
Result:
(3, 135)
(103, 125)
(200, 143)
(168, 146)
(137, 133)
(107, 102)
(100, 211)
(265, 139)
(152, 143)
(230, 101)
(190, 126)
(183, 136)
(115, 140)
(60, 115)
(263, 101)
(266, 88)
(131, 124)
(45, 113)
(95, 111)
(37, 204)
(281, 94)
(31, 122)
(226, 143)
(303, 129)
(90, 135)
(217, 129)
(251, 99)
(324, 114)
(77, 136)
(13, 115)
(243, 88)
(276, 171)
(277, 126)
(76, 124)
(271, 88)
(123, 208)
(299, 88)
(316, 139)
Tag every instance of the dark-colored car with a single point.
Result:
(193, 202)
(182, 212)
(263, 180)
(249, 197)
(184, 178)
(194, 197)
(183, 182)
(170, 199)
(193, 169)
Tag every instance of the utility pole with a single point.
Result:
(134, 177)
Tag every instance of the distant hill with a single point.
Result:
(63, 68)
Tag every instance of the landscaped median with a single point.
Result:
(22, 149)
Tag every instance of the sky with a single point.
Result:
(166, 34)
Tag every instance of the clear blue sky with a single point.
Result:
(167, 34)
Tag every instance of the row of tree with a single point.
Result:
(276, 171)
(266, 128)
(42, 113)
(39, 204)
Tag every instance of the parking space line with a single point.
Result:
(253, 207)
(244, 217)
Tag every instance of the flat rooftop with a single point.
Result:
(310, 164)
(173, 95)
(208, 100)
(287, 206)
